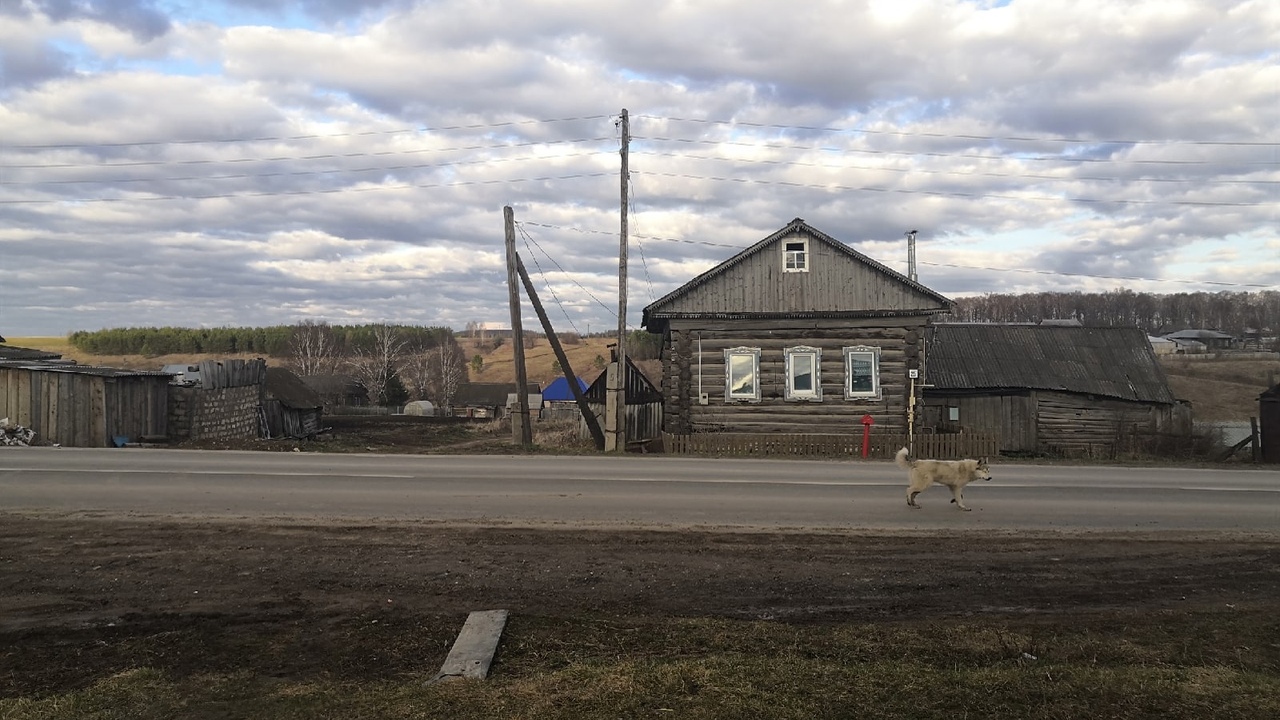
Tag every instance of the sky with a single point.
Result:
(197, 163)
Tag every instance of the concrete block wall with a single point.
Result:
(197, 413)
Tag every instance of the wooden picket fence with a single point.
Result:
(880, 446)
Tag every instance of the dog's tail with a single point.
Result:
(902, 458)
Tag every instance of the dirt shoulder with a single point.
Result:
(75, 590)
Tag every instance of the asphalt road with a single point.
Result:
(636, 491)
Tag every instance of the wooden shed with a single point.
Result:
(641, 397)
(1269, 424)
(78, 406)
(1064, 390)
(290, 409)
(799, 333)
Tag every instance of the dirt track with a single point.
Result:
(72, 589)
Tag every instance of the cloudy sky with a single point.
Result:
(259, 162)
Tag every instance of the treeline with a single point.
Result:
(1228, 312)
(275, 341)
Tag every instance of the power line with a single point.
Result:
(286, 158)
(332, 191)
(303, 173)
(740, 248)
(1098, 277)
(545, 281)
(940, 193)
(967, 156)
(567, 274)
(281, 138)
(918, 171)
(960, 136)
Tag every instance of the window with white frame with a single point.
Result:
(803, 366)
(862, 373)
(795, 256)
(742, 374)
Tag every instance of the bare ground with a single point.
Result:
(80, 595)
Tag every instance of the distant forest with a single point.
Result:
(275, 341)
(1229, 312)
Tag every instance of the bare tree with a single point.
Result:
(373, 364)
(314, 348)
(450, 372)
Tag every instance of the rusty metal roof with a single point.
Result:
(1115, 362)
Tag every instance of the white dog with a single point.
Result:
(955, 474)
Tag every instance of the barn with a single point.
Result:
(799, 333)
(1092, 391)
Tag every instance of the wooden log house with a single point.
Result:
(799, 333)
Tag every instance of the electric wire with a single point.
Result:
(957, 136)
(545, 280)
(284, 138)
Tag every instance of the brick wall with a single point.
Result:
(197, 413)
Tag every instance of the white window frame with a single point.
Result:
(794, 261)
(862, 352)
(813, 394)
(739, 396)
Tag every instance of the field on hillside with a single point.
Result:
(1221, 390)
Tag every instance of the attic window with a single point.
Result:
(795, 256)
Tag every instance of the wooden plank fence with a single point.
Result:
(880, 446)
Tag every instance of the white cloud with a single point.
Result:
(354, 158)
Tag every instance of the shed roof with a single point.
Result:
(1198, 335)
(489, 394)
(13, 352)
(283, 385)
(1115, 362)
(559, 390)
(83, 369)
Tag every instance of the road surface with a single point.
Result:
(635, 491)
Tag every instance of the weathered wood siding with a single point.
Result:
(835, 282)
(1011, 416)
(694, 363)
(1054, 422)
(83, 410)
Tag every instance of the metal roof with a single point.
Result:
(1113, 362)
(83, 369)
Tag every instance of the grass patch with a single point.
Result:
(1168, 666)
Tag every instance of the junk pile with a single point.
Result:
(11, 434)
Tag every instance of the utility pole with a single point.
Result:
(911, 254)
(616, 379)
(588, 416)
(521, 430)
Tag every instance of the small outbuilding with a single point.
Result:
(82, 406)
(290, 409)
(1055, 389)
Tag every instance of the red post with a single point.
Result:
(867, 422)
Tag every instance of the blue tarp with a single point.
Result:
(559, 390)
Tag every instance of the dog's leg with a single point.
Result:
(911, 497)
(959, 497)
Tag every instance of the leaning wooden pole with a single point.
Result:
(589, 417)
(524, 433)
